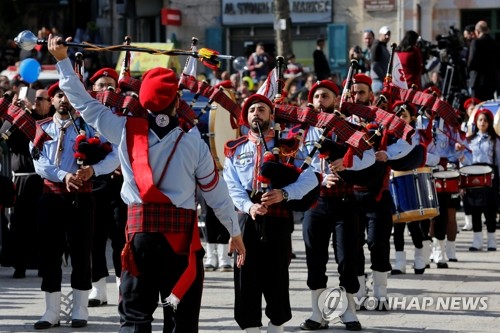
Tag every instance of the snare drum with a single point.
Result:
(447, 181)
(475, 176)
(414, 195)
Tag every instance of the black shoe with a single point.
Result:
(473, 249)
(43, 325)
(94, 302)
(311, 325)
(396, 272)
(209, 268)
(419, 270)
(492, 249)
(353, 326)
(453, 259)
(19, 273)
(78, 323)
(442, 265)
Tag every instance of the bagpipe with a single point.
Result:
(88, 150)
(277, 169)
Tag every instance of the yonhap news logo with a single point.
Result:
(333, 302)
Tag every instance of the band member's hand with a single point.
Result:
(236, 245)
(59, 51)
(331, 180)
(257, 209)
(272, 197)
(73, 182)
(337, 165)
(381, 155)
(85, 172)
(459, 147)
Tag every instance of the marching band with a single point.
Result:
(397, 157)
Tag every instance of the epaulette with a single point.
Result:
(231, 145)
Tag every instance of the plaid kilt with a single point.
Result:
(340, 189)
(156, 217)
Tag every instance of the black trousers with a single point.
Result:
(109, 222)
(265, 272)
(160, 268)
(23, 222)
(419, 231)
(333, 218)
(376, 220)
(65, 221)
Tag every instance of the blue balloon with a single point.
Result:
(29, 70)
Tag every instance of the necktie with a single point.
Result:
(60, 139)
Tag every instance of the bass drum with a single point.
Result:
(494, 107)
(217, 126)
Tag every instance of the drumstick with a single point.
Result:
(454, 140)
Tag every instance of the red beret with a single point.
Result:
(322, 84)
(225, 84)
(158, 89)
(487, 113)
(53, 89)
(402, 105)
(472, 100)
(362, 78)
(110, 72)
(255, 98)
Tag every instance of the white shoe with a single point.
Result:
(492, 241)
(477, 242)
(468, 223)
(52, 313)
(98, 295)
(451, 251)
(400, 263)
(211, 261)
(275, 329)
(224, 259)
(419, 264)
(80, 312)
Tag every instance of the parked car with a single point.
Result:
(48, 74)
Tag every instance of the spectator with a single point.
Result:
(321, 67)
(259, 63)
(380, 59)
(368, 38)
(411, 59)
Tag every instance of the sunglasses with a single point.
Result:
(40, 98)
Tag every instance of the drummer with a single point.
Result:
(469, 106)
(419, 230)
(449, 146)
(485, 147)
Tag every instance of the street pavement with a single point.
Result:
(474, 278)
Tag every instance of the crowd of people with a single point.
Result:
(112, 171)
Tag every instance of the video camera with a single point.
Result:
(452, 41)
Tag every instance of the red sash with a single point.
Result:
(138, 152)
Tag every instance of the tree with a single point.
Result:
(283, 27)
